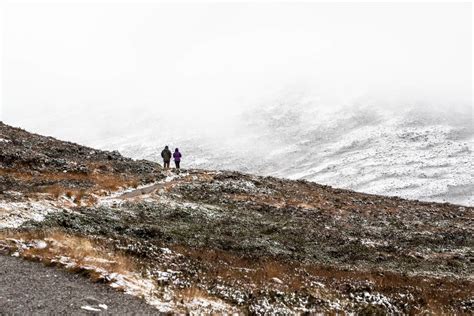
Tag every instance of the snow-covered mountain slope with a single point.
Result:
(397, 151)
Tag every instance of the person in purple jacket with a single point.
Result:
(177, 157)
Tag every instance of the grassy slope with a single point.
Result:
(237, 232)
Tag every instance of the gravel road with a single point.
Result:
(31, 288)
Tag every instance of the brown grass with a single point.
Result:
(227, 266)
(434, 293)
(55, 190)
(190, 293)
(134, 183)
(91, 200)
(94, 184)
(78, 196)
(18, 175)
(84, 251)
(100, 181)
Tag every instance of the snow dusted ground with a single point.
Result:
(258, 218)
(214, 241)
(132, 283)
(406, 152)
(13, 214)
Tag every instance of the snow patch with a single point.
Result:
(103, 306)
(14, 214)
(90, 308)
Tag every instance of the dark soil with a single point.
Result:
(28, 288)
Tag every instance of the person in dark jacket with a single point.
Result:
(166, 155)
(177, 157)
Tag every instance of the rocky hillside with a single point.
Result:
(32, 164)
(214, 241)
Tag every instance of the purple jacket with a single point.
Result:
(177, 156)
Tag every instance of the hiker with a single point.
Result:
(177, 157)
(166, 155)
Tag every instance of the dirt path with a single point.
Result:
(173, 179)
(28, 288)
(142, 191)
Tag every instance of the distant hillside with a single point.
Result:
(399, 151)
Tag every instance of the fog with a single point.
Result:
(85, 72)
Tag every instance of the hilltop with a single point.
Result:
(222, 241)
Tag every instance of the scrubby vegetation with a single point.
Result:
(215, 241)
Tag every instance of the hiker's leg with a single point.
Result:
(177, 164)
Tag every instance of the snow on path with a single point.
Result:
(142, 191)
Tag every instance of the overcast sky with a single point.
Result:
(66, 67)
